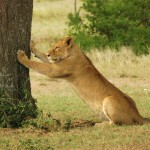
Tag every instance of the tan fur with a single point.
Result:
(67, 61)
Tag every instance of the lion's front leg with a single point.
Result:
(50, 70)
(37, 53)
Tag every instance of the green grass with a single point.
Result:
(107, 137)
(62, 103)
(127, 71)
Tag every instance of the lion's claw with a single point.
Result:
(20, 52)
(21, 55)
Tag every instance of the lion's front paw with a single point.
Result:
(21, 56)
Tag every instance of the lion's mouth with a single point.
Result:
(55, 60)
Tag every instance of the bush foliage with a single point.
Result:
(14, 112)
(112, 23)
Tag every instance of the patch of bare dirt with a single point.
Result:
(43, 85)
(132, 82)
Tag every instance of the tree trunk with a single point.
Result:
(15, 32)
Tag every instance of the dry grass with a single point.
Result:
(49, 18)
(124, 69)
(123, 65)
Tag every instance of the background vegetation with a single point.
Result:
(61, 107)
(112, 23)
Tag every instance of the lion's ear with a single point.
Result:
(69, 41)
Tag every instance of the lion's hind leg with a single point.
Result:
(114, 111)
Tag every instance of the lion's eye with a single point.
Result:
(56, 48)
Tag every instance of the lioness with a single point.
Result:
(66, 61)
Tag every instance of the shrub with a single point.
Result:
(14, 112)
(44, 121)
(113, 23)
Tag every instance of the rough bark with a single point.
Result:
(15, 32)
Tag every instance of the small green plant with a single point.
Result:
(14, 112)
(44, 121)
(67, 124)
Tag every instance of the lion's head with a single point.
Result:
(61, 50)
